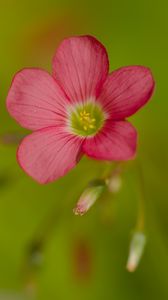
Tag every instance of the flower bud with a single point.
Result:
(114, 183)
(137, 246)
(89, 196)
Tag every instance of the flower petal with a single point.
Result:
(49, 153)
(35, 100)
(116, 141)
(126, 90)
(80, 66)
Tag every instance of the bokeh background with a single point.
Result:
(45, 251)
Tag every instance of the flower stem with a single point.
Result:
(141, 210)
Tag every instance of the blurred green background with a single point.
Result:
(45, 251)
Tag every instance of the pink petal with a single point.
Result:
(126, 90)
(35, 100)
(116, 141)
(49, 153)
(80, 66)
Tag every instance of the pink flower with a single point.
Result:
(80, 109)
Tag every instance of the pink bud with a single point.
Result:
(89, 196)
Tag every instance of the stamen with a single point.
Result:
(85, 128)
(92, 126)
(86, 120)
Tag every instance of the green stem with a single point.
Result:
(141, 211)
(112, 169)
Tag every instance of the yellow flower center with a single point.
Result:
(86, 119)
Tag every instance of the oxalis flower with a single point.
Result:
(79, 109)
